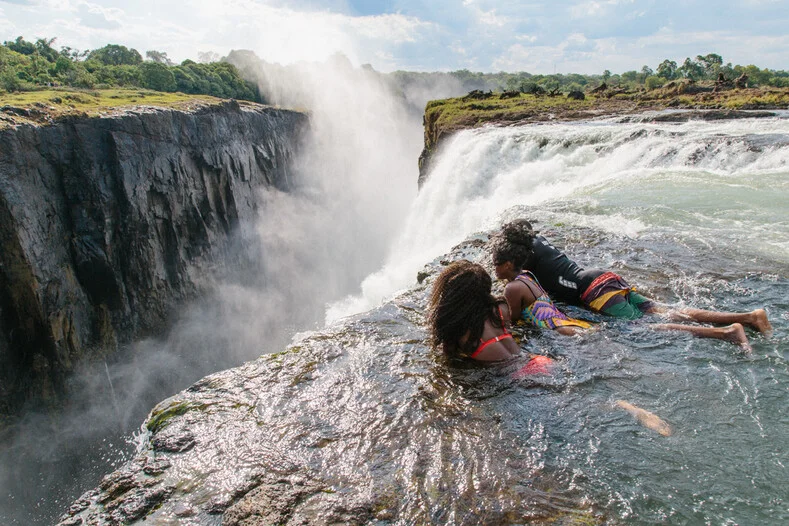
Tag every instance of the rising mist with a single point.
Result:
(352, 189)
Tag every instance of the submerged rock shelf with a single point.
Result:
(356, 424)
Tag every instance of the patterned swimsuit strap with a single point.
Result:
(528, 279)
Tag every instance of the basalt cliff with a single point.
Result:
(108, 224)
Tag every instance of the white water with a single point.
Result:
(725, 180)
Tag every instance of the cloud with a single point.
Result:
(97, 17)
(577, 42)
(6, 26)
(526, 38)
(594, 8)
(394, 29)
(489, 18)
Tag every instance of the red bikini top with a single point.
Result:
(485, 343)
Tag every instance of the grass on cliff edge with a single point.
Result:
(45, 106)
(446, 115)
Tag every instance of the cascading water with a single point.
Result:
(312, 244)
(694, 214)
(717, 183)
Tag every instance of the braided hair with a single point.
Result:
(461, 302)
(514, 243)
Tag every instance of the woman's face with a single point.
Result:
(504, 270)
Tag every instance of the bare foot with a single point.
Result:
(758, 320)
(735, 333)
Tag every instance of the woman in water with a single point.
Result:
(521, 257)
(468, 322)
(465, 319)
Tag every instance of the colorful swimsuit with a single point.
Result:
(543, 313)
(484, 343)
(611, 294)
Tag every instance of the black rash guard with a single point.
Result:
(559, 275)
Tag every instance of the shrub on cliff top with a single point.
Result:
(157, 76)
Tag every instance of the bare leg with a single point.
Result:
(733, 333)
(647, 419)
(756, 318)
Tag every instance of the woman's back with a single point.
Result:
(496, 343)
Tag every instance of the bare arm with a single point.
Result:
(513, 301)
(518, 296)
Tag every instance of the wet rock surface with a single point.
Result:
(108, 224)
(359, 423)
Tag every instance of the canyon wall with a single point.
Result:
(108, 224)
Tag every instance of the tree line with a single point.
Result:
(27, 65)
(702, 68)
(31, 65)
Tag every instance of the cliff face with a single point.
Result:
(106, 224)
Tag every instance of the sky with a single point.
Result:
(561, 36)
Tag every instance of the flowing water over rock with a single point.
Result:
(359, 423)
(363, 423)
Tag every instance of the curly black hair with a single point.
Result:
(461, 302)
(514, 243)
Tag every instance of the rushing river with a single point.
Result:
(695, 214)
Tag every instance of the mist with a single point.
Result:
(313, 245)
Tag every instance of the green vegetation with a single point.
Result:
(707, 67)
(161, 416)
(27, 66)
(478, 108)
(46, 105)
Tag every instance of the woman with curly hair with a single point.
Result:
(465, 319)
(522, 257)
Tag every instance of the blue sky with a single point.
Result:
(565, 36)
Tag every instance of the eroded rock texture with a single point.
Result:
(106, 224)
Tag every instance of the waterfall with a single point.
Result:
(709, 180)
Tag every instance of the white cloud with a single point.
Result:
(595, 8)
(394, 28)
(6, 26)
(276, 32)
(571, 35)
(489, 18)
(98, 17)
(458, 49)
(576, 41)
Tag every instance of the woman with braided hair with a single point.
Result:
(465, 319)
(521, 256)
